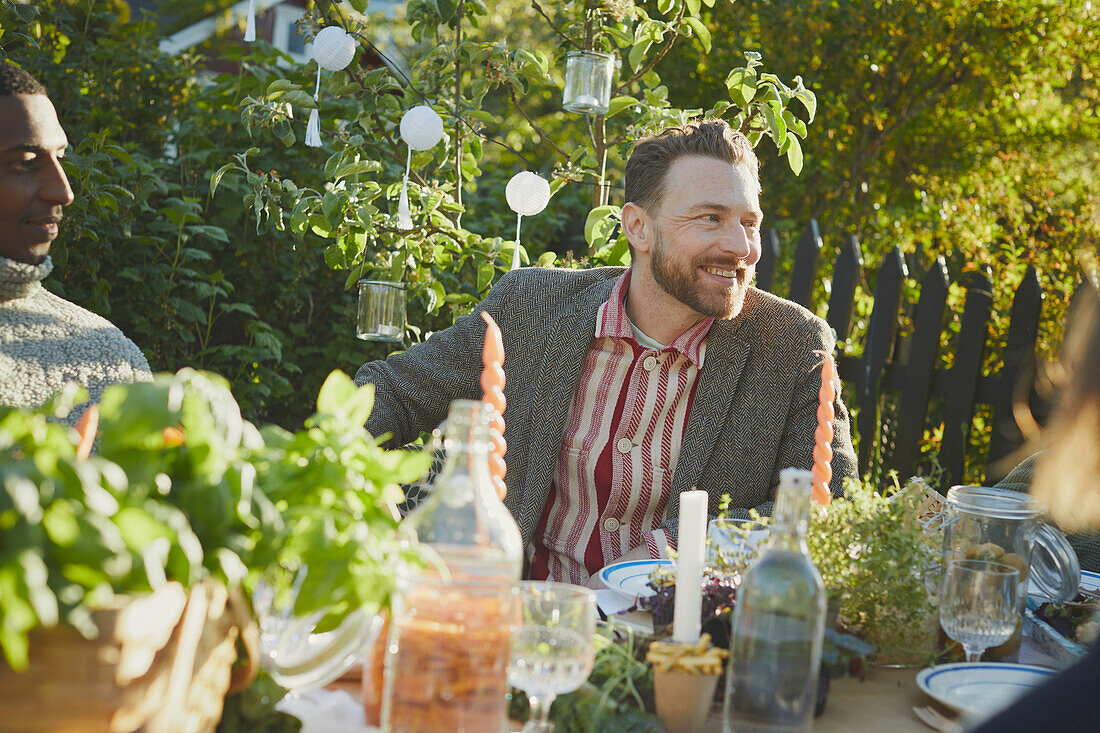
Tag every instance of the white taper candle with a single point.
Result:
(690, 551)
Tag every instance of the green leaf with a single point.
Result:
(794, 124)
(597, 215)
(664, 7)
(351, 168)
(337, 390)
(638, 52)
(794, 155)
(809, 101)
(486, 271)
(139, 529)
(701, 32)
(618, 104)
(300, 99)
(281, 85)
(217, 177)
(741, 84)
(776, 127)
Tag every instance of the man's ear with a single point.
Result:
(638, 227)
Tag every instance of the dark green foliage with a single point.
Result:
(191, 282)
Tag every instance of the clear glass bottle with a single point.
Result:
(446, 664)
(778, 625)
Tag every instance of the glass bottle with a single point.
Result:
(778, 625)
(446, 664)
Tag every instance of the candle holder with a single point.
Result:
(381, 314)
(588, 76)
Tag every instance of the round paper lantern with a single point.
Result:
(527, 193)
(421, 128)
(333, 48)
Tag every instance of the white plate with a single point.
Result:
(630, 579)
(1089, 581)
(981, 688)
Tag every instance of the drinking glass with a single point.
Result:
(978, 604)
(552, 649)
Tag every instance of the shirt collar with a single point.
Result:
(612, 322)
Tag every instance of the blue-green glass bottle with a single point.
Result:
(778, 625)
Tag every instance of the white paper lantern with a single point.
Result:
(527, 193)
(333, 48)
(421, 128)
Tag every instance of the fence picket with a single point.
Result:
(769, 255)
(918, 371)
(805, 265)
(877, 351)
(849, 264)
(1018, 361)
(961, 385)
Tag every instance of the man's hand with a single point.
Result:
(638, 553)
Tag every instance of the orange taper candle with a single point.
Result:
(823, 437)
(492, 387)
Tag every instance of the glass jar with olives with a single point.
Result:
(999, 525)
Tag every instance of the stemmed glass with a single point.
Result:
(978, 604)
(552, 648)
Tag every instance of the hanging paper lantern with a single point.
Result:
(527, 194)
(421, 128)
(250, 22)
(333, 49)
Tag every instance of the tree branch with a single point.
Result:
(557, 31)
(538, 130)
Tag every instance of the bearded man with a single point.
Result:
(45, 341)
(628, 386)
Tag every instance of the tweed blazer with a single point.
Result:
(753, 414)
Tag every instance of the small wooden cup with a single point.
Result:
(683, 699)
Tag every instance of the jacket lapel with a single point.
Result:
(567, 344)
(711, 405)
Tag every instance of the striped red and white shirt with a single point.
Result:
(619, 450)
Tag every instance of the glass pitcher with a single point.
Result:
(984, 523)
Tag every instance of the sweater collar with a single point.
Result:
(19, 279)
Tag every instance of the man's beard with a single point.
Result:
(682, 281)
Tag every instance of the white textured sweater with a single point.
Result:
(46, 341)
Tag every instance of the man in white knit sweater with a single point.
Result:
(45, 341)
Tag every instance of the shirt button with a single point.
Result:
(624, 445)
(649, 364)
(611, 524)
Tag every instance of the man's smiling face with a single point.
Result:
(707, 235)
(33, 186)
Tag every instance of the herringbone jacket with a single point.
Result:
(753, 414)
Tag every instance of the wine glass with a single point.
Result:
(978, 604)
(552, 648)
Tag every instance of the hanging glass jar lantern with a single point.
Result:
(381, 315)
(588, 76)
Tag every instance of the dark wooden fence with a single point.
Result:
(899, 374)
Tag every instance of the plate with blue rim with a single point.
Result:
(630, 579)
(981, 688)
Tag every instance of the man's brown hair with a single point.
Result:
(654, 155)
(14, 80)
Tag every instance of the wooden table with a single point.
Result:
(883, 701)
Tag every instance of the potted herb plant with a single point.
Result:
(159, 537)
